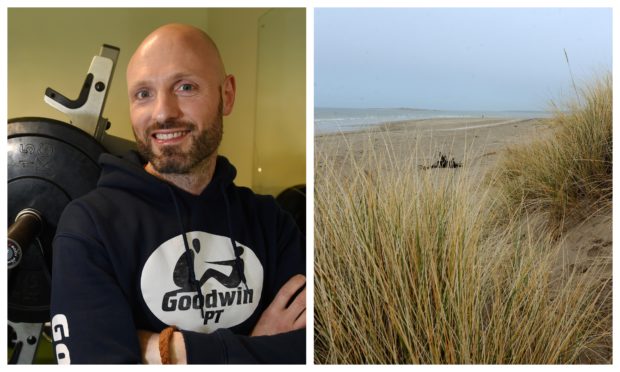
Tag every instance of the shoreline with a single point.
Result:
(458, 136)
(430, 124)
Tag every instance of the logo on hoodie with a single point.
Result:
(210, 285)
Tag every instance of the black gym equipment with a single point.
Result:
(50, 163)
(293, 200)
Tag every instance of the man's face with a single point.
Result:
(175, 100)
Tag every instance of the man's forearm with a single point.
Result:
(288, 348)
(286, 313)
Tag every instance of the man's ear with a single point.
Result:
(229, 89)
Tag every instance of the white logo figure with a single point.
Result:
(225, 302)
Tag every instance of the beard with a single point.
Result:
(173, 159)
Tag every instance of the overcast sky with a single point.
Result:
(459, 59)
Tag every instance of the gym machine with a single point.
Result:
(49, 164)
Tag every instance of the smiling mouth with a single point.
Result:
(170, 136)
(167, 136)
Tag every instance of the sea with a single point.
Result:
(334, 120)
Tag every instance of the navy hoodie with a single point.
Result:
(140, 253)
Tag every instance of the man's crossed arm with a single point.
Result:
(286, 313)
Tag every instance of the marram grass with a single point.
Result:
(412, 266)
(568, 175)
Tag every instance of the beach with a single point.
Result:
(475, 145)
(474, 142)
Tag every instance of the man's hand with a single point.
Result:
(280, 318)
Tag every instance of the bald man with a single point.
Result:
(167, 260)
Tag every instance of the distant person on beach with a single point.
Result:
(443, 162)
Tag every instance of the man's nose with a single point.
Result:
(167, 108)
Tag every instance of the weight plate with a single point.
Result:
(50, 163)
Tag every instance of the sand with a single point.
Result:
(474, 142)
(478, 144)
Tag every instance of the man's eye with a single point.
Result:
(186, 87)
(142, 94)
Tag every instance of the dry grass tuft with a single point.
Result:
(570, 174)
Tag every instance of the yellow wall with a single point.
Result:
(280, 135)
(236, 36)
(54, 47)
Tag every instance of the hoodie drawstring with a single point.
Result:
(188, 254)
(239, 267)
(237, 251)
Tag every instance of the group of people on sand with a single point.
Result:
(443, 162)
